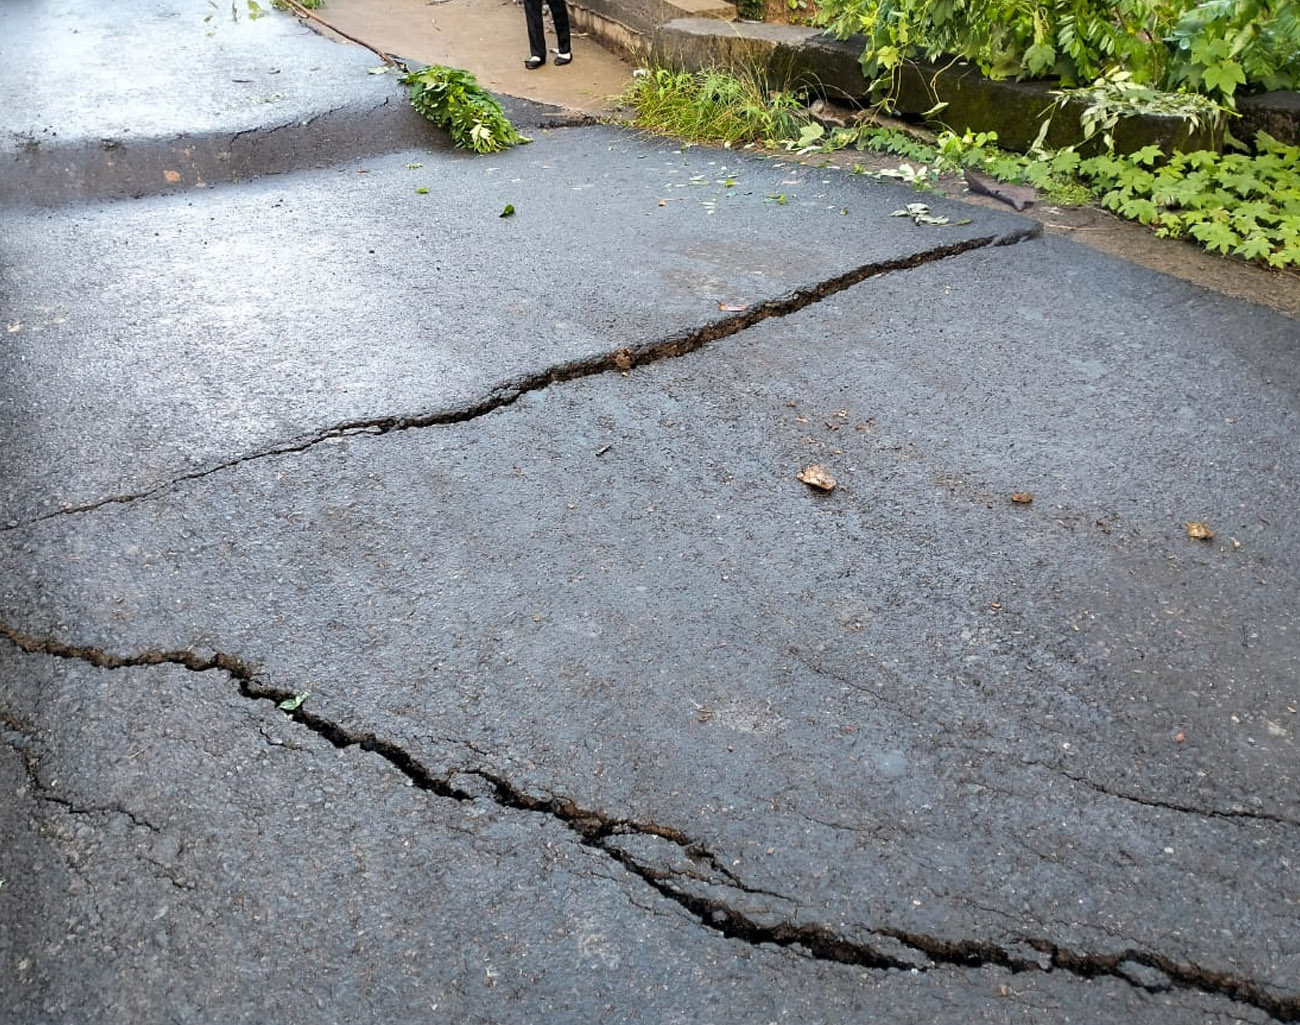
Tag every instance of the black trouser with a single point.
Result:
(536, 37)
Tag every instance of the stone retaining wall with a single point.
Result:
(696, 34)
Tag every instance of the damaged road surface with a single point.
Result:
(409, 612)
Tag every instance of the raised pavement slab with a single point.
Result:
(139, 97)
(214, 324)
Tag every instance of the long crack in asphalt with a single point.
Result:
(897, 949)
(618, 361)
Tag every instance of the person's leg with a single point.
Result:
(536, 34)
(560, 13)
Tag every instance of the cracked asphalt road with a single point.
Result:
(607, 716)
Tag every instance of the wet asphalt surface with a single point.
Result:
(592, 711)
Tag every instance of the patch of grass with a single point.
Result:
(715, 106)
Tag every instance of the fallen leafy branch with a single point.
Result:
(453, 100)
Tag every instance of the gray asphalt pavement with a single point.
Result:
(412, 613)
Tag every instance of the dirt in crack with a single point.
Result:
(620, 361)
(599, 830)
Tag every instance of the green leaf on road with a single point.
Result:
(509, 210)
(294, 703)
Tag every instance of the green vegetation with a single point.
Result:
(453, 100)
(714, 106)
(1211, 47)
(1248, 206)
(1232, 203)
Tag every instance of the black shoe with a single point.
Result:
(533, 63)
(563, 58)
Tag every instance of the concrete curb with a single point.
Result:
(806, 56)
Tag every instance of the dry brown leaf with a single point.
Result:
(623, 359)
(1022, 497)
(816, 476)
(1199, 531)
(171, 177)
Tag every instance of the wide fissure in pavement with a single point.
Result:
(898, 949)
(619, 360)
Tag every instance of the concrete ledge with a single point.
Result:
(697, 43)
(1015, 110)
(609, 31)
(1275, 113)
(629, 26)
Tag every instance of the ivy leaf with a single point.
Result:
(1142, 210)
(1201, 158)
(1254, 247)
(1207, 50)
(1243, 183)
(1224, 76)
(1040, 57)
(1215, 235)
(1066, 162)
(1247, 216)
(1136, 178)
(1147, 155)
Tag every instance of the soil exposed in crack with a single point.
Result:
(598, 830)
(618, 361)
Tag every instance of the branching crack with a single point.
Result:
(43, 791)
(896, 949)
(1150, 802)
(619, 361)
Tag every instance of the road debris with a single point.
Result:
(920, 214)
(816, 476)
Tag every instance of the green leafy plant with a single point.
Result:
(452, 99)
(714, 106)
(1116, 95)
(1212, 47)
(1247, 206)
(1222, 44)
(1074, 40)
(1235, 204)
